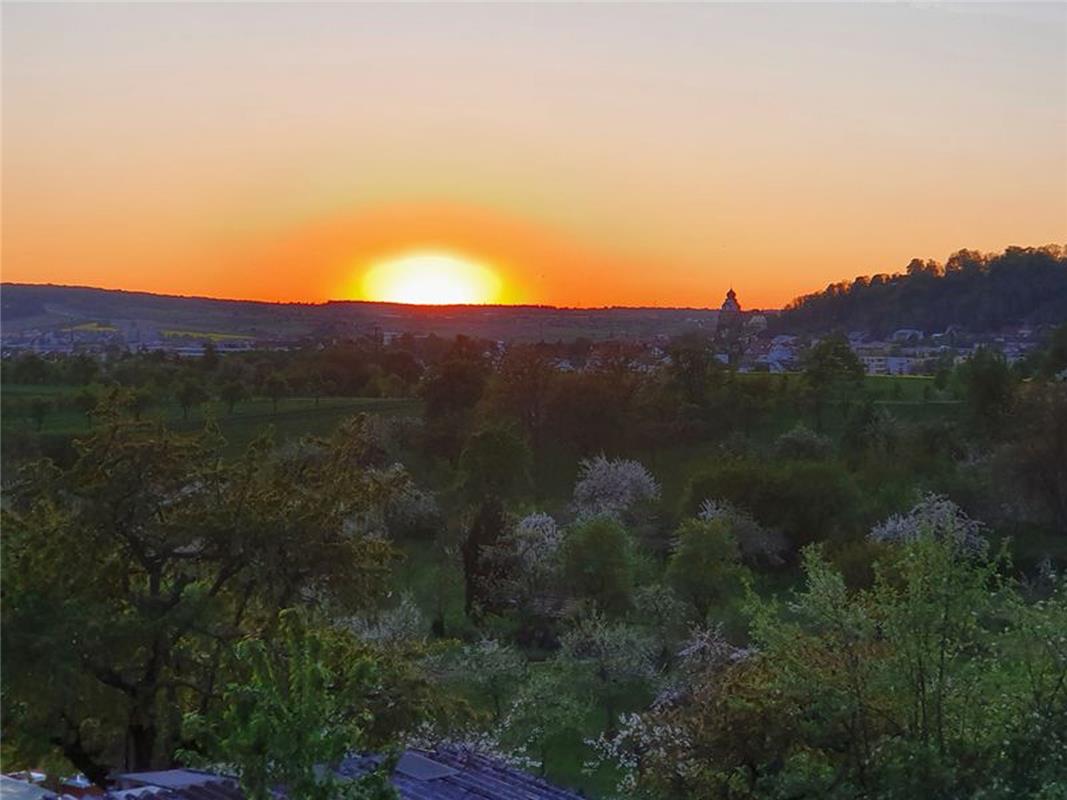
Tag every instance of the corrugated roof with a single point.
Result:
(445, 773)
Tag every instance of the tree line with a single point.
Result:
(971, 291)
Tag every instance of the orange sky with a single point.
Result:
(591, 154)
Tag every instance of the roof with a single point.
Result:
(461, 775)
(445, 773)
(12, 789)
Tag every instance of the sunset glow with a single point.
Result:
(167, 147)
(430, 279)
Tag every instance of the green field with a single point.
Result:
(295, 416)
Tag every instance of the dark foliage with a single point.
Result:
(971, 290)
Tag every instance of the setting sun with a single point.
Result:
(431, 279)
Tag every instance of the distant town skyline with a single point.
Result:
(569, 155)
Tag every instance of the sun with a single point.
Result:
(431, 278)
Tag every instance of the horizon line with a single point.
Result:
(545, 306)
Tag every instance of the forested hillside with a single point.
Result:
(981, 293)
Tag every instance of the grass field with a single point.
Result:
(295, 416)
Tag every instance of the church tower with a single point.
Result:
(730, 312)
(729, 328)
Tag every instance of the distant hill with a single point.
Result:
(27, 308)
(976, 292)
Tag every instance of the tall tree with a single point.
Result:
(127, 576)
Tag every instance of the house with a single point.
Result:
(448, 772)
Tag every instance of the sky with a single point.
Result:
(585, 154)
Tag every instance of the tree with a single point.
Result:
(139, 401)
(526, 566)
(886, 692)
(495, 462)
(545, 710)
(692, 363)
(989, 388)
(1053, 359)
(1035, 461)
(493, 669)
(451, 390)
(86, 401)
(704, 567)
(275, 387)
(612, 658)
(804, 500)
(232, 393)
(522, 388)
(832, 371)
(209, 359)
(39, 409)
(612, 487)
(295, 706)
(128, 576)
(190, 394)
(598, 563)
(479, 571)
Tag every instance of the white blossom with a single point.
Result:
(641, 738)
(470, 744)
(412, 510)
(704, 653)
(612, 487)
(619, 652)
(756, 543)
(399, 624)
(534, 541)
(934, 516)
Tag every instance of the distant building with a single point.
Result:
(730, 311)
(728, 330)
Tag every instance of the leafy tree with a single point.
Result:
(297, 705)
(522, 388)
(802, 443)
(704, 567)
(190, 394)
(82, 369)
(479, 569)
(804, 500)
(989, 389)
(30, 368)
(128, 575)
(692, 364)
(139, 400)
(492, 668)
(937, 682)
(1035, 461)
(451, 390)
(86, 401)
(756, 544)
(546, 709)
(598, 563)
(39, 409)
(494, 462)
(275, 387)
(1054, 356)
(209, 359)
(612, 659)
(232, 393)
(832, 371)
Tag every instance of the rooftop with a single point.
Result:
(445, 773)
